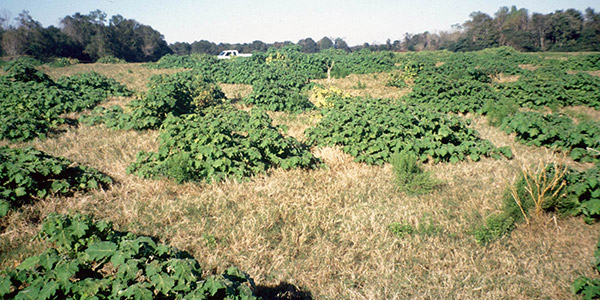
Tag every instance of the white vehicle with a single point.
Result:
(227, 54)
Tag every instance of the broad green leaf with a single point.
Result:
(48, 290)
(163, 283)
(101, 250)
(5, 285)
(29, 263)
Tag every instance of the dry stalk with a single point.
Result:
(515, 195)
(329, 68)
(539, 185)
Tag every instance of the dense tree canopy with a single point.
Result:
(86, 37)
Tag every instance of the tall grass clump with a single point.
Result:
(409, 176)
(538, 189)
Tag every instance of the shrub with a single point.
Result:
(372, 129)
(280, 89)
(27, 174)
(220, 143)
(85, 258)
(110, 60)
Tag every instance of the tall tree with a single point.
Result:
(566, 27)
(308, 45)
(325, 43)
(341, 44)
(590, 35)
(540, 26)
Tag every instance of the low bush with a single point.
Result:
(87, 259)
(219, 143)
(28, 174)
(372, 130)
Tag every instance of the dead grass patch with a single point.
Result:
(235, 92)
(529, 67)
(595, 73)
(365, 85)
(502, 78)
(582, 113)
(133, 75)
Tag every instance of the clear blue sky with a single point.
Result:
(371, 21)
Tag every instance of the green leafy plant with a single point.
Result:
(372, 129)
(221, 142)
(589, 288)
(584, 193)
(280, 90)
(581, 140)
(553, 87)
(28, 174)
(32, 104)
(178, 94)
(85, 258)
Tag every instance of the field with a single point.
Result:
(327, 231)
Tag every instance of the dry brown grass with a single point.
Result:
(373, 86)
(235, 92)
(326, 230)
(529, 67)
(133, 75)
(582, 113)
(595, 73)
(501, 78)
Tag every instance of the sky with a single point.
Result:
(236, 21)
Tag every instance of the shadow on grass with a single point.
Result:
(282, 291)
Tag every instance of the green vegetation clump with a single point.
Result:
(589, 62)
(220, 143)
(110, 60)
(459, 93)
(63, 62)
(581, 140)
(584, 193)
(28, 174)
(372, 130)
(87, 258)
(410, 178)
(549, 188)
(32, 104)
(401, 230)
(93, 82)
(553, 87)
(178, 94)
(589, 288)
(280, 90)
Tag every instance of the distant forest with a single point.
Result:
(93, 36)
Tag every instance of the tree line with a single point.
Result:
(85, 37)
(561, 30)
(92, 36)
